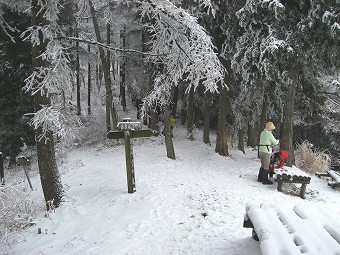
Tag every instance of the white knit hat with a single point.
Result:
(270, 126)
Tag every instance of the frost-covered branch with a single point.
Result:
(108, 47)
(49, 118)
(54, 77)
(182, 46)
(7, 28)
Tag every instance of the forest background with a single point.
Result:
(71, 70)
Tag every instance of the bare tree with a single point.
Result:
(110, 108)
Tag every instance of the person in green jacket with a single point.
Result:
(267, 140)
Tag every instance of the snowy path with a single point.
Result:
(192, 205)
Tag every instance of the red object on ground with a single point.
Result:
(277, 160)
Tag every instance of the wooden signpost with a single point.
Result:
(128, 130)
(24, 162)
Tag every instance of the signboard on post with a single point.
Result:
(128, 130)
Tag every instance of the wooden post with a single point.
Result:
(24, 162)
(128, 130)
(303, 190)
(2, 176)
(130, 170)
(279, 185)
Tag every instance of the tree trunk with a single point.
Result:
(221, 139)
(174, 101)
(98, 73)
(252, 136)
(286, 142)
(122, 87)
(263, 118)
(89, 83)
(110, 109)
(241, 140)
(78, 74)
(206, 137)
(183, 112)
(2, 175)
(197, 118)
(190, 114)
(110, 95)
(170, 152)
(48, 170)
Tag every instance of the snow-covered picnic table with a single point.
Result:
(335, 178)
(291, 175)
(302, 229)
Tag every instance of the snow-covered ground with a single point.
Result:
(192, 205)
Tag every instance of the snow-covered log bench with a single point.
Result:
(302, 229)
(334, 176)
(283, 175)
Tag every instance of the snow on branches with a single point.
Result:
(49, 118)
(54, 77)
(252, 9)
(181, 47)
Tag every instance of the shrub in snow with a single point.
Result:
(91, 129)
(311, 160)
(17, 211)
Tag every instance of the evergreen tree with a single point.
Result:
(15, 66)
(281, 43)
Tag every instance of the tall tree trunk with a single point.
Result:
(97, 75)
(240, 145)
(190, 114)
(286, 142)
(221, 139)
(89, 82)
(252, 136)
(48, 170)
(2, 175)
(170, 151)
(197, 117)
(206, 137)
(110, 109)
(78, 74)
(184, 107)
(122, 87)
(174, 101)
(108, 65)
(263, 118)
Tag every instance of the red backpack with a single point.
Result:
(277, 160)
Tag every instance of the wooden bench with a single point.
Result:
(334, 181)
(290, 231)
(284, 176)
